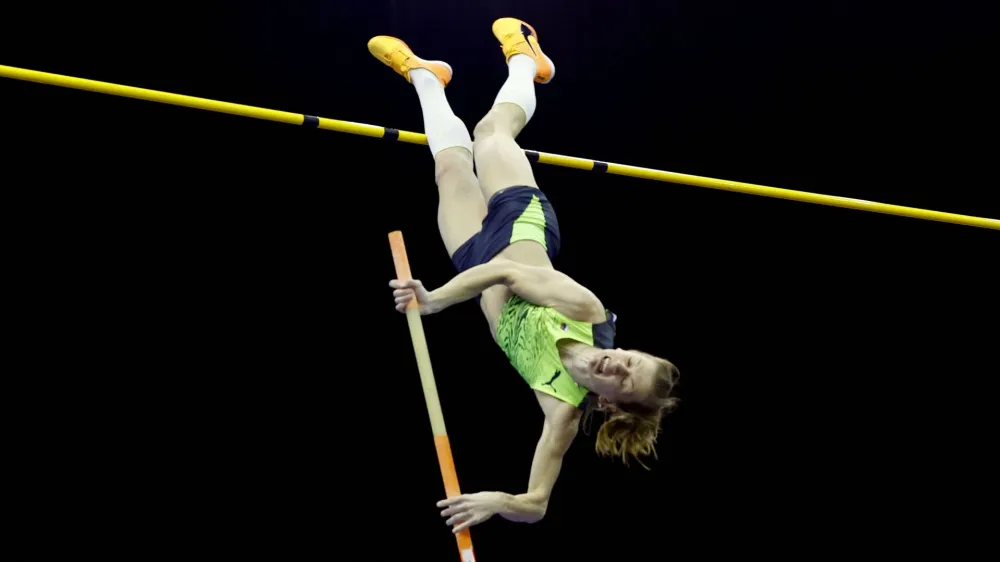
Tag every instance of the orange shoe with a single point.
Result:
(397, 55)
(518, 38)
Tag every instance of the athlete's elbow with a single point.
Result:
(541, 512)
(536, 514)
(537, 509)
(530, 508)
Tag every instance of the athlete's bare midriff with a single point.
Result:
(524, 251)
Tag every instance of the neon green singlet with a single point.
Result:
(528, 335)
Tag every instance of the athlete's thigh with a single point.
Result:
(501, 163)
(461, 207)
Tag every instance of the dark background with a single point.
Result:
(216, 286)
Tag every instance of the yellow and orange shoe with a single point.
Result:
(397, 55)
(518, 38)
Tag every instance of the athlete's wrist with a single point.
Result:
(437, 300)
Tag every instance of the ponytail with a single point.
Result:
(629, 433)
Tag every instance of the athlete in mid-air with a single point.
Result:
(501, 233)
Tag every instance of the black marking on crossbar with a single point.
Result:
(532, 155)
(391, 134)
(310, 121)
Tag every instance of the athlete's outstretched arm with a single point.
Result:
(558, 433)
(460, 288)
(539, 285)
(557, 436)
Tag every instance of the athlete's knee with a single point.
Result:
(453, 170)
(494, 143)
(496, 122)
(504, 119)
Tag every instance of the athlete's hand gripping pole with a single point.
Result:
(430, 390)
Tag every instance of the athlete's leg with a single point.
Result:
(461, 207)
(500, 162)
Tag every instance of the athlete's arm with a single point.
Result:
(562, 422)
(539, 285)
(471, 283)
(558, 433)
(547, 287)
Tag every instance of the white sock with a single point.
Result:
(442, 127)
(519, 89)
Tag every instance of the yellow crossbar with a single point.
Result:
(534, 156)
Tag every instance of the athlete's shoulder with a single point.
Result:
(604, 333)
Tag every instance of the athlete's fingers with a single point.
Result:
(401, 292)
(412, 283)
(475, 519)
(451, 510)
(464, 525)
(451, 501)
(463, 516)
(403, 299)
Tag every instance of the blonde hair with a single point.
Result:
(631, 430)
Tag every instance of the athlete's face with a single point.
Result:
(622, 376)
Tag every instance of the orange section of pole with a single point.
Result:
(441, 443)
(447, 463)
